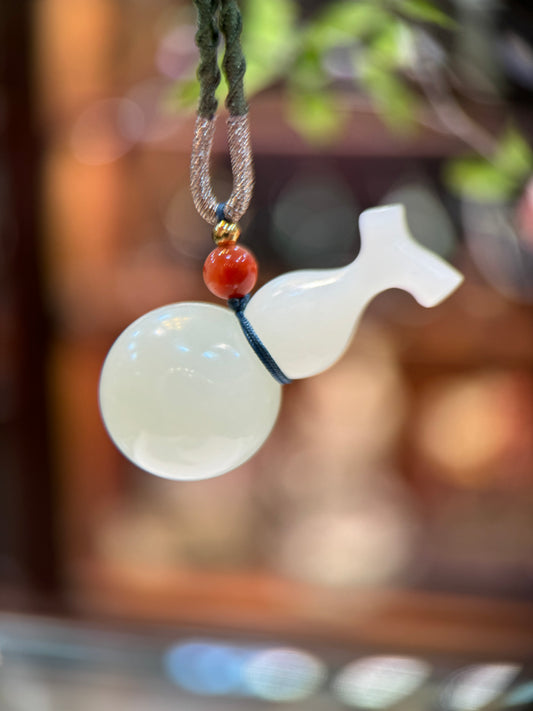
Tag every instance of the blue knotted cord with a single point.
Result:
(238, 305)
(221, 215)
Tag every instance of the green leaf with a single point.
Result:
(393, 100)
(343, 22)
(479, 180)
(393, 46)
(308, 71)
(496, 179)
(424, 11)
(270, 40)
(315, 115)
(514, 156)
(182, 95)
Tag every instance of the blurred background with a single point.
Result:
(378, 551)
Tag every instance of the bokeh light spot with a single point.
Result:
(379, 682)
(475, 686)
(106, 130)
(283, 674)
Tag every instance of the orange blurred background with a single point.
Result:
(377, 551)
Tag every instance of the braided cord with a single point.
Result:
(241, 167)
(261, 351)
(217, 17)
(213, 211)
(225, 15)
(234, 64)
(207, 38)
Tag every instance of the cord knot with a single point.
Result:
(238, 305)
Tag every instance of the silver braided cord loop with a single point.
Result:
(241, 166)
(240, 151)
(202, 192)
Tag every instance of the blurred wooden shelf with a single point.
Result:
(363, 134)
(262, 604)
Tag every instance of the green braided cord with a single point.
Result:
(234, 64)
(207, 38)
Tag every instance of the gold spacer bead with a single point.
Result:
(226, 232)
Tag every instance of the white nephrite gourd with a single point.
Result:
(308, 317)
(184, 396)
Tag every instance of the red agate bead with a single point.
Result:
(230, 271)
